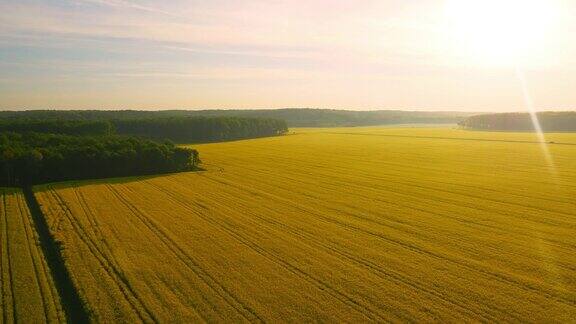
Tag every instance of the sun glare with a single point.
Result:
(503, 31)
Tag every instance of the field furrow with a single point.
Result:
(28, 293)
(300, 235)
(193, 265)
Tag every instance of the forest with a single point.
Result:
(64, 127)
(293, 117)
(176, 129)
(200, 129)
(47, 146)
(549, 122)
(34, 158)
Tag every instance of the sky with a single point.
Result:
(340, 54)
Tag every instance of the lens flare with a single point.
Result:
(548, 258)
(529, 103)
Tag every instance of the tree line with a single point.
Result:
(46, 146)
(200, 129)
(549, 122)
(64, 127)
(34, 158)
(177, 129)
(294, 117)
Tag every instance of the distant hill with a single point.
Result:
(294, 117)
(549, 122)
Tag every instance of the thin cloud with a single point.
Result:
(268, 54)
(129, 5)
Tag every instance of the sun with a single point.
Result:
(502, 31)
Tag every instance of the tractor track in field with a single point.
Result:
(312, 240)
(54, 296)
(105, 249)
(74, 308)
(105, 264)
(106, 253)
(345, 299)
(233, 301)
(402, 181)
(10, 281)
(53, 293)
(93, 221)
(520, 283)
(374, 268)
(449, 202)
(432, 169)
(29, 240)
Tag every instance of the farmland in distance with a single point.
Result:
(342, 224)
(28, 293)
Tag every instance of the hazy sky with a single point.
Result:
(190, 54)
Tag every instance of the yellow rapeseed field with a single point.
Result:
(28, 294)
(347, 224)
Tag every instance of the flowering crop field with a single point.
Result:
(342, 224)
(27, 291)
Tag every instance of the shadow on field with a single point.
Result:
(228, 140)
(74, 308)
(78, 183)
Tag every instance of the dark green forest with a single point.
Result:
(200, 129)
(177, 129)
(46, 146)
(33, 158)
(292, 116)
(64, 127)
(549, 122)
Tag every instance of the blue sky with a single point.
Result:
(387, 54)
